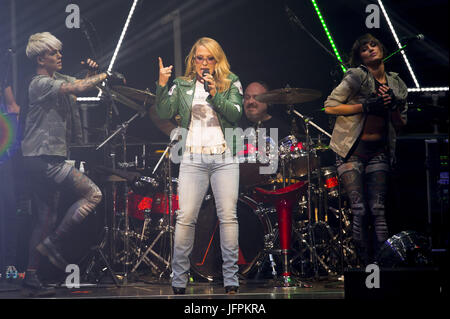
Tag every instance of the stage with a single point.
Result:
(295, 212)
(153, 289)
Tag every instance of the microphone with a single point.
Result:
(416, 37)
(292, 17)
(88, 37)
(88, 67)
(405, 41)
(205, 71)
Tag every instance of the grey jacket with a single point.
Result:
(52, 120)
(356, 86)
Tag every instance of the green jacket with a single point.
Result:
(227, 105)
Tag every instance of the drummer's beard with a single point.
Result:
(254, 117)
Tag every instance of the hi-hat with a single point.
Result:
(288, 96)
(142, 96)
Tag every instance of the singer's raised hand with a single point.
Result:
(164, 73)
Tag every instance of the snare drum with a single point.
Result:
(295, 155)
(257, 166)
(139, 206)
(161, 204)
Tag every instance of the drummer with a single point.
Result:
(256, 112)
(257, 117)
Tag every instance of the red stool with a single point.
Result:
(283, 200)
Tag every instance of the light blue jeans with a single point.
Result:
(196, 172)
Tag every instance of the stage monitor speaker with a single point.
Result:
(404, 269)
(405, 249)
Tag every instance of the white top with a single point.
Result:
(204, 129)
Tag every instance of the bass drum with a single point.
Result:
(255, 231)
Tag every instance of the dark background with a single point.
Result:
(260, 44)
(257, 37)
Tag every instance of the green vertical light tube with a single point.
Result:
(324, 25)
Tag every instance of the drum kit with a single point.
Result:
(293, 223)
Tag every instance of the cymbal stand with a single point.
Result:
(320, 189)
(143, 258)
(168, 227)
(170, 187)
(312, 246)
(108, 236)
(309, 121)
(121, 129)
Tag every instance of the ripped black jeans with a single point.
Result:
(48, 177)
(365, 180)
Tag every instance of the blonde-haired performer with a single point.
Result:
(52, 121)
(208, 155)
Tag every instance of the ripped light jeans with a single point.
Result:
(365, 182)
(197, 171)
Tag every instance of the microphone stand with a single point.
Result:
(395, 52)
(88, 37)
(296, 21)
(120, 128)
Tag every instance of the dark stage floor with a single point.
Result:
(152, 289)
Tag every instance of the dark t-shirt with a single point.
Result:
(274, 122)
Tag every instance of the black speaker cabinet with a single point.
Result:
(418, 196)
(398, 283)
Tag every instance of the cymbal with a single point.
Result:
(114, 178)
(126, 101)
(321, 147)
(165, 126)
(143, 96)
(288, 96)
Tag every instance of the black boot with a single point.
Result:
(362, 251)
(377, 249)
(231, 290)
(33, 287)
(52, 251)
(178, 290)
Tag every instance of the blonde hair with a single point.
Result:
(221, 68)
(38, 43)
